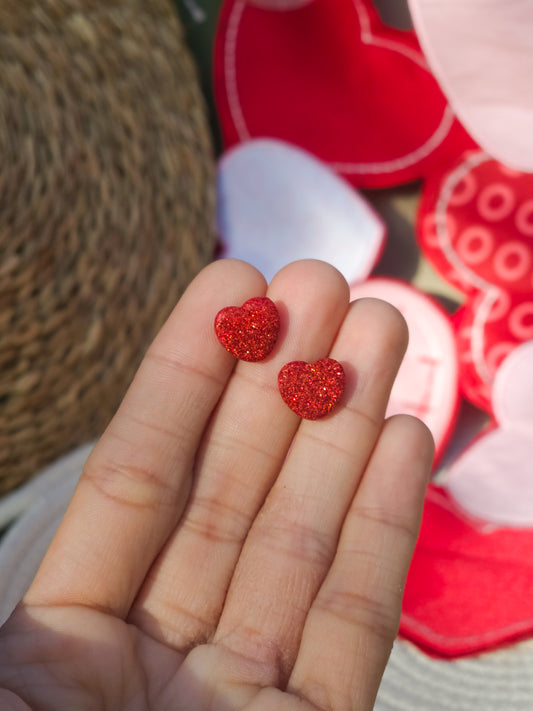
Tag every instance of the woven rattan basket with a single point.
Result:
(106, 210)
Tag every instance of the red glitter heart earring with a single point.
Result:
(311, 389)
(249, 332)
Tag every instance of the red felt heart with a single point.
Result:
(330, 77)
(311, 389)
(469, 584)
(249, 332)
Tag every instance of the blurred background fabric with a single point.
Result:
(106, 210)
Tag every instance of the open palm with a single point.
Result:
(219, 553)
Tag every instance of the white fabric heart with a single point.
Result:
(278, 204)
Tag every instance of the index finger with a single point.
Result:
(136, 481)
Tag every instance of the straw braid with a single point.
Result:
(106, 210)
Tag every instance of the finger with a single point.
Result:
(243, 451)
(351, 626)
(137, 479)
(293, 540)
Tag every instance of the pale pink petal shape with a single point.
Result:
(493, 478)
(512, 395)
(482, 55)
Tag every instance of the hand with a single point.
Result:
(218, 552)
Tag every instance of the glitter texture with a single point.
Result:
(249, 332)
(311, 389)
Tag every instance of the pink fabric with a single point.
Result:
(493, 479)
(513, 392)
(427, 383)
(481, 53)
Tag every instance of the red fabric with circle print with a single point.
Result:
(475, 225)
(330, 77)
(488, 328)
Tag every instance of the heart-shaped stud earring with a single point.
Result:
(249, 332)
(311, 389)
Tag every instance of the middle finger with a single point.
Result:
(293, 540)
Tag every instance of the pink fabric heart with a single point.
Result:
(481, 53)
(427, 383)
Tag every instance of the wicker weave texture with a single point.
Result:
(106, 210)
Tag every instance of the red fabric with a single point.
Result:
(470, 584)
(489, 327)
(475, 225)
(330, 77)
(484, 212)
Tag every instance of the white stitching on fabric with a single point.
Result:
(230, 70)
(410, 158)
(468, 275)
(441, 228)
(368, 38)
(414, 624)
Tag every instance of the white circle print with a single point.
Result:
(496, 202)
